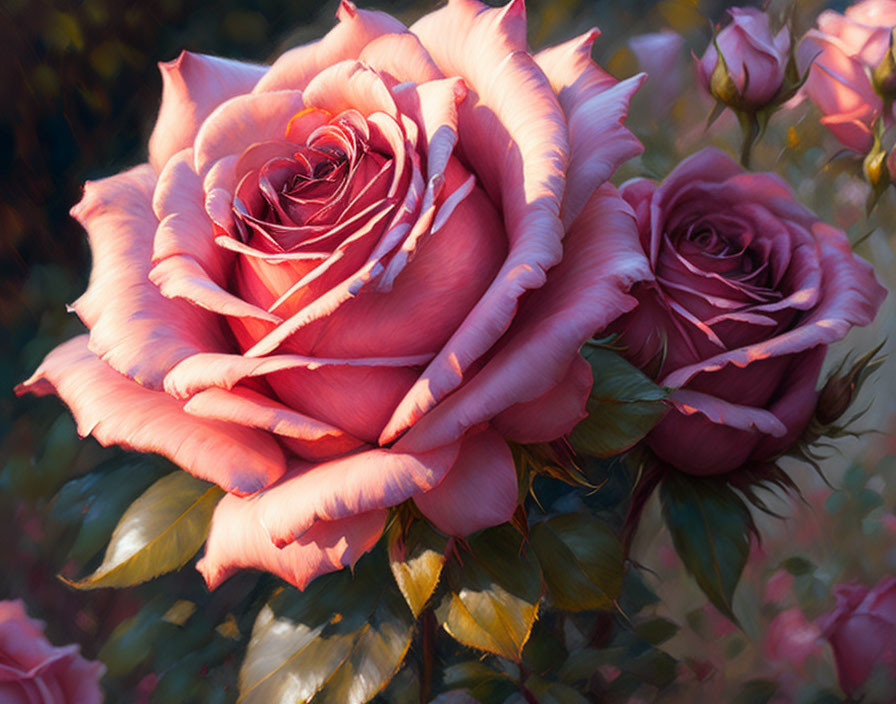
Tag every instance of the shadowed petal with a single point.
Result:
(311, 438)
(118, 411)
(479, 491)
(237, 540)
(553, 414)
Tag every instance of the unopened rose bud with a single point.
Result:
(744, 67)
(875, 167)
(883, 76)
(835, 398)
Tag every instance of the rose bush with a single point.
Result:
(345, 280)
(845, 51)
(33, 670)
(861, 629)
(748, 290)
(754, 60)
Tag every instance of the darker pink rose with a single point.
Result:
(862, 632)
(33, 670)
(749, 288)
(847, 48)
(755, 58)
(348, 279)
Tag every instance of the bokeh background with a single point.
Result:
(80, 90)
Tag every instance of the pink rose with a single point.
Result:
(847, 49)
(346, 280)
(755, 58)
(33, 670)
(749, 288)
(791, 639)
(862, 632)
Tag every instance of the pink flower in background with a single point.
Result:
(846, 49)
(749, 289)
(791, 639)
(862, 632)
(33, 670)
(756, 58)
(346, 280)
(659, 55)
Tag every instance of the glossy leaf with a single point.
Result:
(492, 593)
(341, 640)
(416, 559)
(623, 407)
(481, 682)
(94, 503)
(158, 533)
(581, 559)
(710, 527)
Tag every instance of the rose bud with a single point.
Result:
(840, 389)
(749, 288)
(850, 66)
(347, 280)
(745, 65)
(33, 670)
(861, 629)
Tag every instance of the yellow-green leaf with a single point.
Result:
(492, 593)
(416, 559)
(158, 533)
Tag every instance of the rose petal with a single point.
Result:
(193, 85)
(401, 56)
(513, 133)
(118, 411)
(602, 260)
(133, 327)
(309, 437)
(596, 106)
(478, 492)
(552, 414)
(237, 541)
(241, 122)
(356, 29)
(726, 413)
(347, 486)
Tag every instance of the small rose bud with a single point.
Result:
(835, 398)
(883, 76)
(744, 67)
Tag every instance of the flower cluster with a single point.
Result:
(348, 293)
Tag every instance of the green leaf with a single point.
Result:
(482, 682)
(158, 533)
(416, 560)
(623, 407)
(492, 593)
(581, 559)
(657, 630)
(95, 502)
(341, 640)
(710, 527)
(547, 692)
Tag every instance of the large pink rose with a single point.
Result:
(755, 58)
(348, 279)
(33, 670)
(861, 629)
(749, 288)
(847, 48)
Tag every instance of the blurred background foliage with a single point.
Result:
(80, 91)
